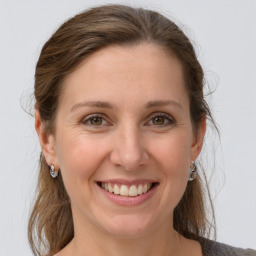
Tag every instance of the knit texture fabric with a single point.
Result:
(212, 248)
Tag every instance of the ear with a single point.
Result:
(47, 141)
(198, 140)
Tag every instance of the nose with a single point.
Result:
(128, 149)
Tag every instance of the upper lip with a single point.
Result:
(128, 182)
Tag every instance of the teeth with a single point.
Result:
(133, 191)
(140, 189)
(124, 190)
(116, 190)
(110, 189)
(145, 188)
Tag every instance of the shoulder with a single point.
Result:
(212, 248)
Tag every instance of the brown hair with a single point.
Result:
(50, 226)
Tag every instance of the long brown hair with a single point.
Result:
(51, 226)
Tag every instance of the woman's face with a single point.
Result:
(123, 127)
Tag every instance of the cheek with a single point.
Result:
(173, 158)
(173, 151)
(79, 156)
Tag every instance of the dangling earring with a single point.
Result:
(192, 172)
(53, 173)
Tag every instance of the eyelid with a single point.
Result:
(164, 115)
(85, 119)
(171, 120)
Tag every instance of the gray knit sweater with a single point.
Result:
(211, 248)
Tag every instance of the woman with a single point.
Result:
(121, 117)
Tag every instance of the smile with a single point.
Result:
(126, 190)
(128, 193)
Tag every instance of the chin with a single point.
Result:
(128, 227)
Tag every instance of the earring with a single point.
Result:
(192, 172)
(53, 172)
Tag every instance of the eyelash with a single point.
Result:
(167, 117)
(90, 117)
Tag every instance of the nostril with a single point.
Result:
(129, 155)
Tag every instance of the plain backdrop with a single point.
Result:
(224, 34)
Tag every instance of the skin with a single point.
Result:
(128, 141)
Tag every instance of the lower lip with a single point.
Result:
(129, 200)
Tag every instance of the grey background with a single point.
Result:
(224, 35)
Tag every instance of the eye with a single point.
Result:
(94, 120)
(161, 120)
(97, 120)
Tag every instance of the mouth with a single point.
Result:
(124, 190)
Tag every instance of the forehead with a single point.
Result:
(123, 73)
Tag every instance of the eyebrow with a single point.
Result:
(97, 104)
(162, 103)
(103, 104)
